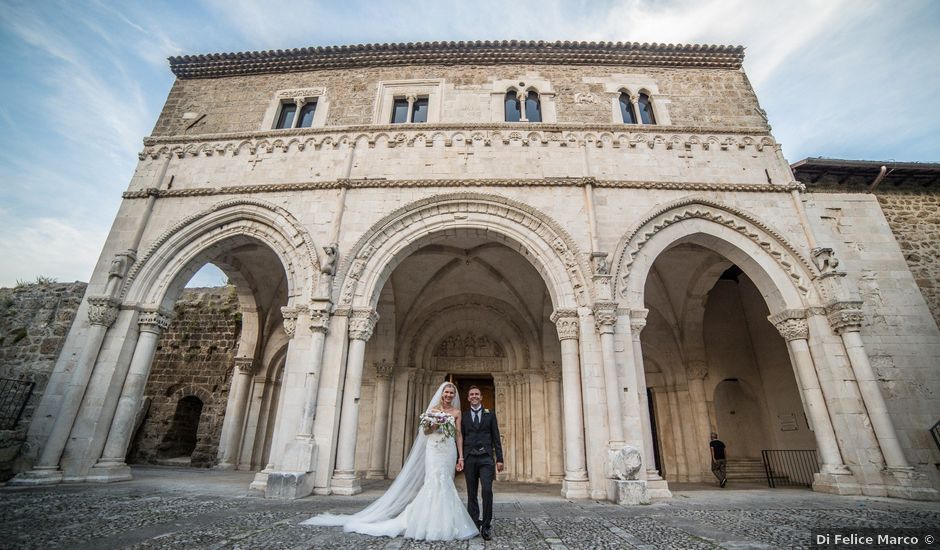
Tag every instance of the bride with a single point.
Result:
(422, 503)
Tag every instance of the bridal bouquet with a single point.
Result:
(436, 421)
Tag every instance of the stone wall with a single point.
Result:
(195, 358)
(34, 320)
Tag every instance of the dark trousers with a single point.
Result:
(479, 469)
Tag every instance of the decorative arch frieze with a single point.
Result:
(800, 271)
(560, 262)
(266, 222)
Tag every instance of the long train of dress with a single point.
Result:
(436, 512)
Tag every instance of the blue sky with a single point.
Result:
(82, 83)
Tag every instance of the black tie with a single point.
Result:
(476, 418)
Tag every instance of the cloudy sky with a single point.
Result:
(82, 82)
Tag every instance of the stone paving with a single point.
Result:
(167, 507)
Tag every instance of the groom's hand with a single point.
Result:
(460, 465)
(499, 466)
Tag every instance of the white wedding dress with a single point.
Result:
(419, 507)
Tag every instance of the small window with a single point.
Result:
(420, 111)
(306, 114)
(533, 107)
(626, 109)
(286, 117)
(400, 111)
(646, 110)
(404, 111)
(513, 109)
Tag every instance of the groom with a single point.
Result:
(480, 442)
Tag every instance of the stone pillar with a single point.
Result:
(345, 481)
(605, 317)
(102, 312)
(575, 484)
(696, 372)
(556, 471)
(846, 320)
(319, 327)
(793, 327)
(383, 386)
(637, 323)
(235, 418)
(112, 466)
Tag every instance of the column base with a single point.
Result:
(375, 474)
(630, 492)
(836, 484)
(909, 484)
(345, 483)
(577, 489)
(288, 485)
(109, 472)
(38, 476)
(260, 483)
(224, 466)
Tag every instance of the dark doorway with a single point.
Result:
(180, 439)
(653, 431)
(485, 383)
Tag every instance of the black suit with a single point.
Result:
(480, 443)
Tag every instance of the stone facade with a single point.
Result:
(610, 269)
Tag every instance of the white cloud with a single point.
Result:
(49, 247)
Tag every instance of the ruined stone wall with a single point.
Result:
(34, 320)
(195, 358)
(914, 218)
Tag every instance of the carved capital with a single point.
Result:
(605, 316)
(383, 370)
(245, 365)
(845, 316)
(155, 321)
(362, 322)
(552, 372)
(696, 370)
(791, 324)
(320, 320)
(290, 319)
(566, 321)
(102, 310)
(638, 320)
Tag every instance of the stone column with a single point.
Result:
(637, 323)
(605, 317)
(102, 312)
(235, 418)
(112, 466)
(383, 386)
(575, 484)
(319, 327)
(696, 372)
(345, 481)
(846, 319)
(556, 470)
(792, 326)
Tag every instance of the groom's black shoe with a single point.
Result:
(486, 533)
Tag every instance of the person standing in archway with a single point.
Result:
(719, 460)
(480, 443)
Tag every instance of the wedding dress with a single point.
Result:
(422, 503)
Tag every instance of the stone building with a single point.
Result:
(605, 237)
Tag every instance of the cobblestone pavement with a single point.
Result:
(165, 507)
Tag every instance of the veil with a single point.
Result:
(405, 487)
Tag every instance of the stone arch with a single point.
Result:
(543, 242)
(153, 280)
(785, 277)
(179, 391)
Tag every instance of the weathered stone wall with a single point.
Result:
(195, 358)
(34, 320)
(914, 218)
(697, 97)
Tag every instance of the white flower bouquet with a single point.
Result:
(436, 421)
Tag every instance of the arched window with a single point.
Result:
(513, 109)
(533, 108)
(646, 110)
(626, 109)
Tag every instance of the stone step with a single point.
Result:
(179, 462)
